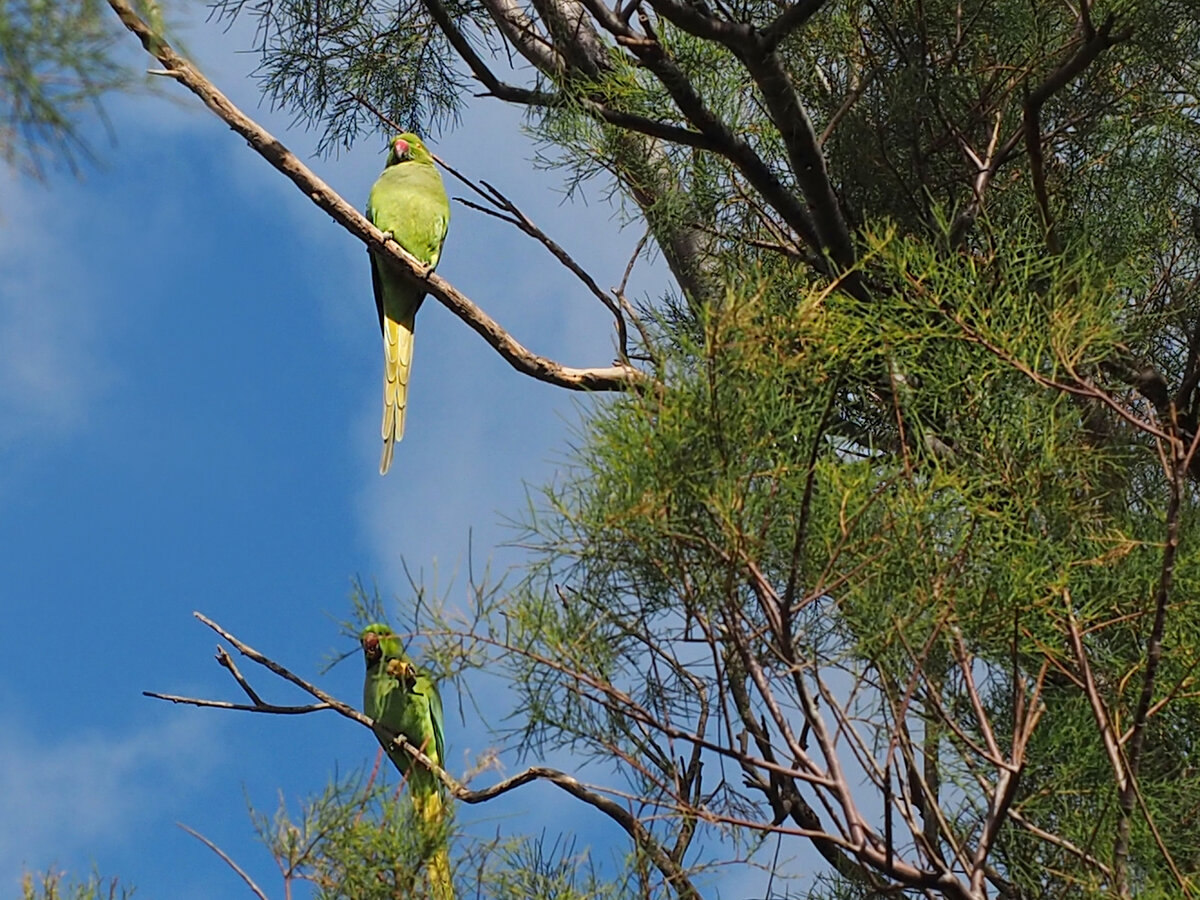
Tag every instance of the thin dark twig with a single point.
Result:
(507, 211)
(619, 293)
(258, 707)
(228, 860)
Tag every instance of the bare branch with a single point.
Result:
(1095, 41)
(1099, 713)
(507, 211)
(522, 32)
(259, 707)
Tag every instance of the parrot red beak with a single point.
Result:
(370, 644)
(401, 148)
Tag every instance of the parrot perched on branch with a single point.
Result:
(409, 202)
(404, 700)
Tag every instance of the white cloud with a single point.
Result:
(85, 790)
(50, 366)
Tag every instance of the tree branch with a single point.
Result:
(618, 377)
(789, 20)
(511, 93)
(730, 145)
(1095, 42)
(1181, 456)
(507, 211)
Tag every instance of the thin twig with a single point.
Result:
(228, 860)
(259, 707)
(507, 211)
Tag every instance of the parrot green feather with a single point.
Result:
(409, 202)
(403, 700)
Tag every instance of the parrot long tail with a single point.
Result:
(431, 810)
(397, 362)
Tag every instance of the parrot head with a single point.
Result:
(407, 147)
(379, 641)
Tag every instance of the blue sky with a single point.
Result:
(189, 408)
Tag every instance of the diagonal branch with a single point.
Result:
(788, 113)
(651, 53)
(511, 93)
(1181, 456)
(502, 208)
(618, 377)
(254, 888)
(1095, 41)
(789, 20)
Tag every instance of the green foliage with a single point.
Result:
(360, 840)
(986, 516)
(56, 61)
(337, 64)
(52, 885)
(355, 841)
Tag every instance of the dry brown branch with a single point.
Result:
(1181, 458)
(1099, 712)
(258, 707)
(618, 377)
(227, 662)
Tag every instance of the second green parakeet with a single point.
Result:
(409, 202)
(404, 700)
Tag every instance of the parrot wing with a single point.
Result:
(406, 701)
(409, 202)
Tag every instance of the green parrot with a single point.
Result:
(409, 203)
(404, 700)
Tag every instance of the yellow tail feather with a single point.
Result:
(431, 810)
(397, 362)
